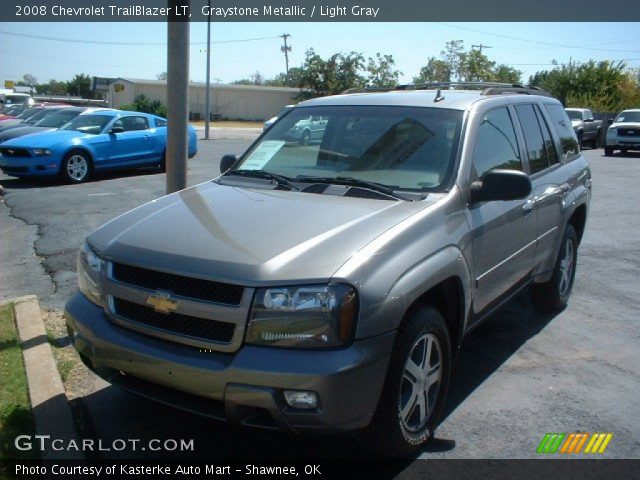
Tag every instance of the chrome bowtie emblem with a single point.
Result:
(162, 302)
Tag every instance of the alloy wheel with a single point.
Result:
(420, 383)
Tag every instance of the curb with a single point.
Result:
(49, 406)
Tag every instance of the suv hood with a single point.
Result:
(249, 236)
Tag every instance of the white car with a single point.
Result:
(624, 132)
(273, 119)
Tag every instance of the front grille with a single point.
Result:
(189, 287)
(629, 132)
(14, 152)
(209, 330)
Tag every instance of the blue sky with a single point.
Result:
(527, 46)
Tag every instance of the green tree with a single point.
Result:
(506, 74)
(382, 72)
(600, 86)
(320, 77)
(80, 85)
(475, 66)
(162, 76)
(53, 87)
(435, 70)
(456, 64)
(142, 104)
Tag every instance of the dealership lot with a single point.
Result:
(518, 377)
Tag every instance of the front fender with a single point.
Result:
(386, 315)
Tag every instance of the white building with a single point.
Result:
(228, 101)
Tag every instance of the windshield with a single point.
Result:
(14, 110)
(630, 116)
(57, 119)
(93, 124)
(574, 115)
(38, 116)
(406, 148)
(28, 112)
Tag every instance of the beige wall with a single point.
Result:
(232, 102)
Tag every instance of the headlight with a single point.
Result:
(310, 316)
(89, 267)
(41, 152)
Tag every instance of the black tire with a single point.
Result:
(608, 151)
(580, 136)
(388, 433)
(76, 167)
(553, 296)
(305, 138)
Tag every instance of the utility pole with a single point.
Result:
(286, 49)
(480, 47)
(177, 97)
(207, 105)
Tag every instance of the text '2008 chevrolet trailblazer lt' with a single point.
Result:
(327, 285)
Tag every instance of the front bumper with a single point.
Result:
(617, 141)
(29, 166)
(244, 387)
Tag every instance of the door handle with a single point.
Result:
(527, 208)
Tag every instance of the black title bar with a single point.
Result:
(317, 11)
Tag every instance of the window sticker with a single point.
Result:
(261, 155)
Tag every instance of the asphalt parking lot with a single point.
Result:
(518, 377)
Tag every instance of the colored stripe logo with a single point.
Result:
(574, 443)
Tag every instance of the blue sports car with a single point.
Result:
(93, 141)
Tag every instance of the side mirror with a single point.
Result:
(116, 130)
(500, 185)
(227, 162)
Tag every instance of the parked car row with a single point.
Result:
(623, 134)
(75, 142)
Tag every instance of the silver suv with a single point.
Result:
(327, 286)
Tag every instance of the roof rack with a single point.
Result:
(368, 90)
(488, 88)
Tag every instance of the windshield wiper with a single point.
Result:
(279, 179)
(356, 182)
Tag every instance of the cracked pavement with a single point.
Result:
(518, 376)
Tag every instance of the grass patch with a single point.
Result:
(64, 356)
(15, 412)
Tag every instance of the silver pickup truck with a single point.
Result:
(328, 286)
(586, 127)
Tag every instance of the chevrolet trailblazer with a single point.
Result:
(327, 286)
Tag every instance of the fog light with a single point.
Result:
(301, 399)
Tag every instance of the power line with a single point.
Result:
(100, 42)
(538, 42)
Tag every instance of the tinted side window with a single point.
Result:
(549, 144)
(134, 123)
(496, 144)
(533, 138)
(563, 127)
(161, 122)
